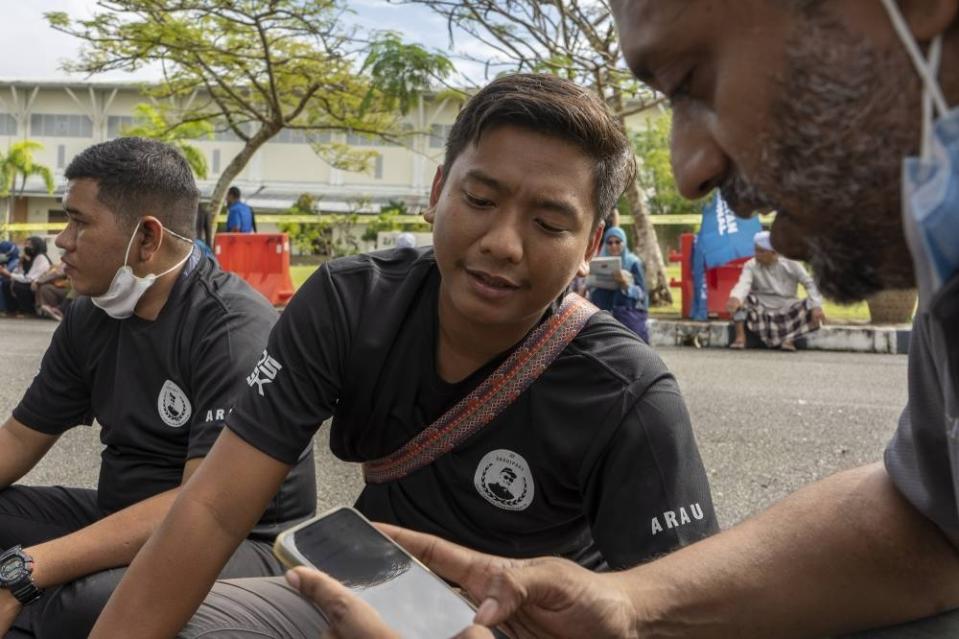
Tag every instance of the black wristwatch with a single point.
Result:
(16, 575)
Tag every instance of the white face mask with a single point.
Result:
(126, 289)
(930, 183)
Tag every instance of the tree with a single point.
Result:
(18, 164)
(655, 173)
(330, 235)
(255, 67)
(575, 39)
(150, 123)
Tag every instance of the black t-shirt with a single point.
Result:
(161, 389)
(595, 461)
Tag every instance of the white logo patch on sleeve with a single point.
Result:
(503, 479)
(266, 370)
(173, 405)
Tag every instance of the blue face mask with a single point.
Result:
(930, 184)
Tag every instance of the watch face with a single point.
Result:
(11, 569)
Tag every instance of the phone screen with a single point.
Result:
(411, 600)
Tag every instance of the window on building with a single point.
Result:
(223, 132)
(8, 124)
(56, 216)
(61, 156)
(361, 139)
(215, 161)
(61, 125)
(300, 136)
(438, 135)
(378, 168)
(117, 124)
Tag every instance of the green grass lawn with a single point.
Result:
(835, 313)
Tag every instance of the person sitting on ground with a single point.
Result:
(411, 350)
(764, 299)
(154, 355)
(18, 292)
(628, 303)
(9, 259)
(51, 290)
(239, 217)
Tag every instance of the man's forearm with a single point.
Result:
(164, 585)
(843, 554)
(108, 543)
(213, 513)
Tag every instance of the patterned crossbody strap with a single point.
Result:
(499, 390)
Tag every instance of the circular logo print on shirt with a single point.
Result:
(503, 478)
(173, 405)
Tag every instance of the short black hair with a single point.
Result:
(556, 107)
(139, 176)
(233, 191)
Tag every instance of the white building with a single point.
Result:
(68, 116)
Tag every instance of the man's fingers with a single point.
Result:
(538, 583)
(475, 632)
(460, 565)
(349, 617)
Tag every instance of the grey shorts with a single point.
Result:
(254, 608)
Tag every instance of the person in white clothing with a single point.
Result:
(765, 299)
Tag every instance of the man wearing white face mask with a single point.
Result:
(153, 350)
(835, 106)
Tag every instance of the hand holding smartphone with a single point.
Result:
(410, 598)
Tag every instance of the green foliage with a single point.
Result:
(655, 173)
(386, 221)
(18, 163)
(330, 235)
(152, 122)
(398, 70)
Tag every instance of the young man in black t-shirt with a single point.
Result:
(595, 460)
(156, 360)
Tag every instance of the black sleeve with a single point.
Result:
(221, 361)
(647, 493)
(59, 397)
(294, 385)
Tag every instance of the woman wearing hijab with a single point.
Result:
(18, 295)
(628, 303)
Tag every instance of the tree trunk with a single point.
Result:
(647, 247)
(644, 233)
(233, 169)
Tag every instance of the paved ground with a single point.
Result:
(767, 422)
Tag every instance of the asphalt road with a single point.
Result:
(767, 422)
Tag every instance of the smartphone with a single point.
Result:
(412, 600)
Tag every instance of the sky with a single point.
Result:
(31, 50)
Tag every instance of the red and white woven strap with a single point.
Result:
(489, 399)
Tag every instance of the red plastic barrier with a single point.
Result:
(719, 284)
(262, 259)
(719, 280)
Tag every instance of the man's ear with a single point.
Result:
(149, 238)
(929, 18)
(591, 249)
(435, 191)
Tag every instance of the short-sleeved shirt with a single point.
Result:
(239, 218)
(923, 457)
(595, 461)
(161, 389)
